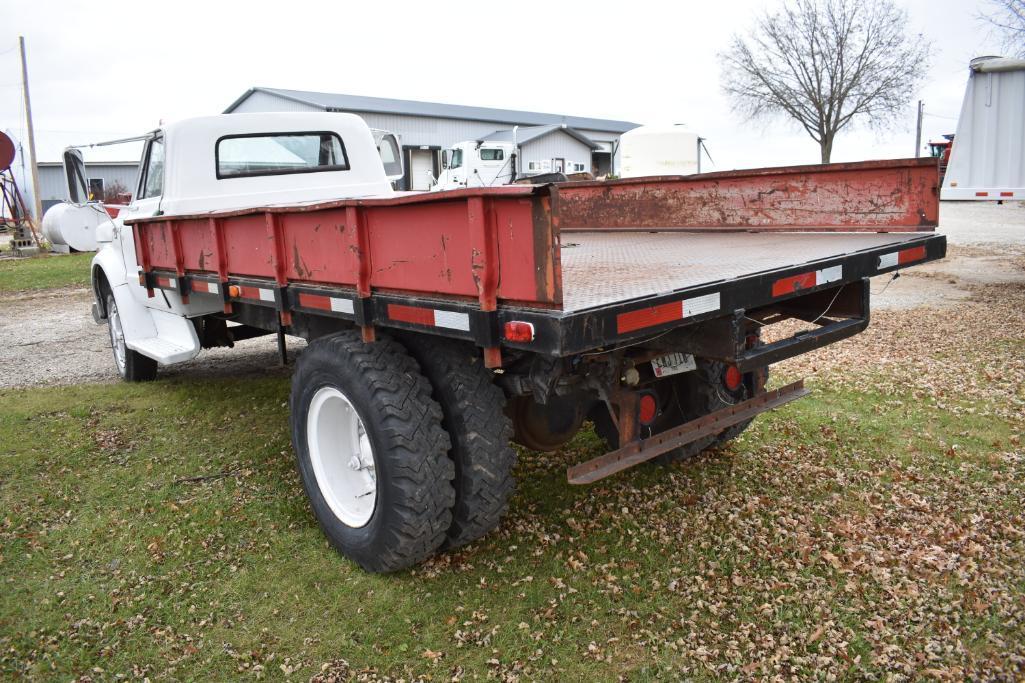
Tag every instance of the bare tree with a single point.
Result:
(1007, 18)
(826, 64)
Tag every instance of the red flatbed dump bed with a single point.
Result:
(588, 264)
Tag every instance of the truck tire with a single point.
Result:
(371, 451)
(473, 410)
(131, 365)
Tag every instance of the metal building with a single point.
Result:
(101, 176)
(548, 142)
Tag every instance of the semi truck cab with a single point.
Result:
(477, 164)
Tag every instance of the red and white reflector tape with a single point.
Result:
(899, 258)
(259, 293)
(207, 287)
(665, 313)
(166, 282)
(335, 304)
(814, 278)
(431, 317)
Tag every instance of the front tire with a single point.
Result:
(131, 365)
(371, 451)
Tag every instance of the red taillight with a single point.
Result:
(518, 331)
(647, 409)
(732, 378)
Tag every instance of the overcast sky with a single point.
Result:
(102, 70)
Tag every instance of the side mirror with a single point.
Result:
(444, 159)
(74, 175)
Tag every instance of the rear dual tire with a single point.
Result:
(474, 417)
(371, 452)
(400, 459)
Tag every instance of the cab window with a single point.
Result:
(279, 153)
(456, 160)
(389, 150)
(491, 154)
(152, 182)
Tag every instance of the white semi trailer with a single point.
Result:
(987, 161)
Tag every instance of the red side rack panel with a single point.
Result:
(895, 195)
(487, 244)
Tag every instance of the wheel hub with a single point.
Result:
(117, 336)
(342, 457)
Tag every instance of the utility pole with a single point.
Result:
(918, 129)
(31, 135)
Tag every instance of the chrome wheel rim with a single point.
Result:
(342, 457)
(117, 336)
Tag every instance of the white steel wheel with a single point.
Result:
(342, 457)
(117, 336)
(371, 452)
(131, 365)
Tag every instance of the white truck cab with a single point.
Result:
(477, 164)
(220, 163)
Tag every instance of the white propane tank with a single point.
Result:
(74, 225)
(658, 150)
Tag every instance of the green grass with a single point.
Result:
(115, 561)
(44, 272)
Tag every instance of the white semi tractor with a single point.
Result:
(643, 151)
(477, 164)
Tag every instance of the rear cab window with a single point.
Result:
(258, 154)
(390, 156)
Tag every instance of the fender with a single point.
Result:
(106, 265)
(165, 337)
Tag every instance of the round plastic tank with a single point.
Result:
(658, 150)
(74, 225)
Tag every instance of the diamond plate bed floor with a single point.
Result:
(600, 268)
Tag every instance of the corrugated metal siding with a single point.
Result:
(989, 148)
(556, 146)
(437, 110)
(52, 186)
(419, 130)
(606, 136)
(261, 101)
(423, 130)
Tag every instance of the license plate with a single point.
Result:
(673, 364)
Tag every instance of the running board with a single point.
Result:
(642, 450)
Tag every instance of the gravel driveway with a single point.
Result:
(49, 337)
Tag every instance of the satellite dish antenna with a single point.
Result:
(6, 152)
